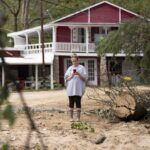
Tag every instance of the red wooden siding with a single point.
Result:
(6, 53)
(63, 34)
(126, 16)
(104, 14)
(81, 17)
(61, 70)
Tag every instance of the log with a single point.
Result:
(127, 108)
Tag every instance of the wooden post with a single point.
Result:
(3, 76)
(42, 42)
(87, 39)
(36, 77)
(51, 76)
(54, 38)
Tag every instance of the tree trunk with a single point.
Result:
(127, 108)
(25, 14)
(15, 23)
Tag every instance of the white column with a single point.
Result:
(119, 16)
(71, 34)
(3, 76)
(106, 30)
(71, 37)
(36, 77)
(89, 16)
(87, 39)
(27, 39)
(39, 35)
(54, 38)
(51, 76)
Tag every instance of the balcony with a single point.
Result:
(35, 50)
(75, 47)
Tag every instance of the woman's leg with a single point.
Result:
(71, 107)
(71, 102)
(78, 106)
(78, 101)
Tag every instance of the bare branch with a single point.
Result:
(9, 8)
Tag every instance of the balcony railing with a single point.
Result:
(32, 50)
(75, 47)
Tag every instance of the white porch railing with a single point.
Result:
(75, 47)
(32, 50)
(91, 48)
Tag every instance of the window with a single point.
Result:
(115, 67)
(91, 70)
(68, 63)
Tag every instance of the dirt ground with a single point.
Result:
(55, 128)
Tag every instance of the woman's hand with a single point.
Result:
(80, 76)
(70, 77)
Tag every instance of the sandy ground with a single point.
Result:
(56, 131)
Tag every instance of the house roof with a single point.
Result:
(97, 4)
(30, 30)
(50, 24)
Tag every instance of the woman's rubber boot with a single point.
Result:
(71, 114)
(78, 114)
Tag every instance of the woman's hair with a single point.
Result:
(74, 56)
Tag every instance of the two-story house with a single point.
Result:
(75, 33)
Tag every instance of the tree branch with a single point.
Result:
(18, 9)
(9, 8)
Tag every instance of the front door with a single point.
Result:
(91, 68)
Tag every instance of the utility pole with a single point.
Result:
(42, 41)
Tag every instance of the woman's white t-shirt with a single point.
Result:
(75, 86)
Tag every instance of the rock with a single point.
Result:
(83, 135)
(44, 129)
(13, 138)
(100, 139)
(147, 126)
(74, 132)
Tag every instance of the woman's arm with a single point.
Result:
(80, 76)
(70, 77)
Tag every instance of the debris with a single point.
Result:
(100, 139)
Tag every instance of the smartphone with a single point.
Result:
(74, 70)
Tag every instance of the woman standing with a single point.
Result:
(75, 78)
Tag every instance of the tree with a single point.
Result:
(13, 9)
(133, 37)
(25, 14)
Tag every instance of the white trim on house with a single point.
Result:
(50, 25)
(121, 55)
(28, 61)
(73, 24)
(79, 54)
(9, 49)
(31, 30)
(89, 16)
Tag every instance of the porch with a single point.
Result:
(61, 39)
(32, 50)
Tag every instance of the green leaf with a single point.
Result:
(5, 147)
(4, 93)
(9, 114)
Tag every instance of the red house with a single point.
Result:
(75, 33)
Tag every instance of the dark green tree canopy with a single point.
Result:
(133, 39)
